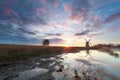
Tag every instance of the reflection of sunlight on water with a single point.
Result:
(101, 63)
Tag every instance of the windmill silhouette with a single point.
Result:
(87, 44)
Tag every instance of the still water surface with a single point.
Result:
(103, 65)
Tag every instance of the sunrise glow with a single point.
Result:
(63, 22)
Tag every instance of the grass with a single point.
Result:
(20, 52)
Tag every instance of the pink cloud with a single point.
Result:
(40, 10)
(67, 7)
(42, 1)
(55, 4)
(97, 24)
(109, 30)
(43, 10)
(80, 16)
(77, 17)
(87, 25)
(14, 0)
(60, 25)
(17, 21)
(95, 18)
(8, 12)
(113, 29)
(113, 17)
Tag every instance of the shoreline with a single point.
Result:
(10, 53)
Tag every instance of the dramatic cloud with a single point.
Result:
(19, 40)
(83, 33)
(113, 29)
(56, 40)
(7, 29)
(11, 35)
(108, 30)
(95, 18)
(57, 20)
(53, 2)
(23, 11)
(67, 7)
(113, 17)
(79, 9)
(53, 34)
(23, 30)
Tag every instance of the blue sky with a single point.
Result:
(63, 22)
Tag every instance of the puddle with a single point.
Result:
(86, 64)
(95, 64)
(51, 58)
(52, 64)
(28, 74)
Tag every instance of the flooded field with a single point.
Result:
(82, 65)
(96, 64)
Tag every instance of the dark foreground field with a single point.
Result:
(17, 58)
(20, 52)
(25, 62)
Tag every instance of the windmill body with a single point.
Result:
(87, 44)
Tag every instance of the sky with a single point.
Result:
(63, 22)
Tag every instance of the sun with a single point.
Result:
(68, 42)
(66, 46)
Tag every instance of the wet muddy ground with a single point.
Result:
(82, 65)
(12, 70)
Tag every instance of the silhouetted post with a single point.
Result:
(76, 75)
(46, 42)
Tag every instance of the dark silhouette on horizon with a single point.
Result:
(87, 44)
(46, 42)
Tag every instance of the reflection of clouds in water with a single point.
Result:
(86, 62)
(108, 70)
(105, 66)
(70, 60)
(106, 74)
(116, 66)
(101, 62)
(28, 74)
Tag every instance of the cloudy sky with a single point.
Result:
(63, 22)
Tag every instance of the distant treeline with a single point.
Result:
(108, 45)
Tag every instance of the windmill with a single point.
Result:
(87, 44)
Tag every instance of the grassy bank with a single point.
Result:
(18, 52)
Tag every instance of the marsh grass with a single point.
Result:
(20, 52)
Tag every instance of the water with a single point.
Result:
(96, 64)
(102, 65)
(28, 74)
